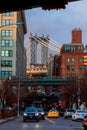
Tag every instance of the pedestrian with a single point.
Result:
(83, 106)
(74, 106)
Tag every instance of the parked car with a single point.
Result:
(79, 115)
(61, 112)
(68, 113)
(55, 93)
(53, 113)
(42, 93)
(31, 113)
(41, 112)
(84, 124)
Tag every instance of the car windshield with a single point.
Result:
(81, 111)
(53, 110)
(40, 110)
(70, 110)
(30, 110)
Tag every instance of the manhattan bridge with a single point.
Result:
(39, 49)
(46, 44)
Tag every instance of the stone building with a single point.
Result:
(12, 31)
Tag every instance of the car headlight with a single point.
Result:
(42, 113)
(25, 114)
(36, 114)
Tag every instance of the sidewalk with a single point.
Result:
(8, 119)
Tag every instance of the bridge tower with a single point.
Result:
(44, 49)
(44, 41)
(33, 50)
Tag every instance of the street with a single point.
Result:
(48, 123)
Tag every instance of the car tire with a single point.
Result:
(65, 117)
(37, 120)
(85, 128)
(72, 119)
(43, 118)
(23, 120)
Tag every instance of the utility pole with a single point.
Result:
(18, 98)
(78, 91)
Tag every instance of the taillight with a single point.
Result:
(77, 114)
(85, 120)
(65, 113)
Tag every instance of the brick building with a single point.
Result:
(70, 62)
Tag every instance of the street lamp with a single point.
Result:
(18, 98)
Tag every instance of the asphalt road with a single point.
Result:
(47, 124)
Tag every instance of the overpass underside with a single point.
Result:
(47, 82)
(15, 5)
(43, 81)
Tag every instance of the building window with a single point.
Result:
(56, 65)
(67, 48)
(80, 48)
(6, 63)
(7, 22)
(73, 59)
(56, 70)
(6, 33)
(73, 67)
(68, 75)
(68, 59)
(73, 48)
(57, 58)
(85, 51)
(80, 59)
(8, 53)
(80, 68)
(68, 67)
(73, 75)
(6, 43)
(85, 67)
(7, 14)
(6, 74)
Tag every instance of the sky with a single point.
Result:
(58, 24)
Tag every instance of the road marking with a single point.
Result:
(49, 120)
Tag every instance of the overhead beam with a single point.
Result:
(15, 5)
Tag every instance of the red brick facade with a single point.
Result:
(71, 59)
(71, 63)
(76, 36)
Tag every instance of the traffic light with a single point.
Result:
(85, 60)
(60, 103)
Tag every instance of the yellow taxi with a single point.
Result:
(53, 113)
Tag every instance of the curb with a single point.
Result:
(8, 119)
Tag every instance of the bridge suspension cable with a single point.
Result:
(46, 44)
(52, 42)
(57, 43)
(49, 44)
(59, 46)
